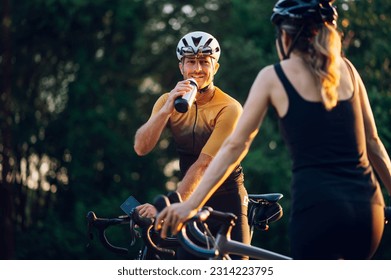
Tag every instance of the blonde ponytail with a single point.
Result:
(325, 60)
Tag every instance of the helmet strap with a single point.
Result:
(279, 40)
(292, 46)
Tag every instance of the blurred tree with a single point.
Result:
(6, 151)
(79, 77)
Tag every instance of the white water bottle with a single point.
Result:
(183, 103)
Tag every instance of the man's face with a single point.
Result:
(200, 68)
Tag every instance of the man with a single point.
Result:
(199, 132)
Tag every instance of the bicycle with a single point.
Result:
(263, 209)
(153, 248)
(223, 245)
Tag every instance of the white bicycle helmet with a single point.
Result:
(198, 43)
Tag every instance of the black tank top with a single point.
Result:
(328, 149)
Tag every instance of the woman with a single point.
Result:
(327, 123)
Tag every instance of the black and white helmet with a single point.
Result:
(198, 43)
(317, 11)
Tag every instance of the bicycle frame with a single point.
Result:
(263, 209)
(227, 246)
(223, 245)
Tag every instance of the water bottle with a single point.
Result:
(183, 103)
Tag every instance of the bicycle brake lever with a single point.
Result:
(160, 202)
(152, 245)
(101, 227)
(133, 232)
(90, 217)
(109, 246)
(90, 235)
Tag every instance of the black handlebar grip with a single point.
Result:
(194, 248)
(91, 217)
(174, 197)
(101, 225)
(196, 232)
(161, 202)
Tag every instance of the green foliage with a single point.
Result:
(85, 75)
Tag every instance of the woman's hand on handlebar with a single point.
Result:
(172, 218)
(146, 210)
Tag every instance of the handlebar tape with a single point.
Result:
(174, 197)
(161, 202)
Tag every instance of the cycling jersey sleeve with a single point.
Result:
(159, 103)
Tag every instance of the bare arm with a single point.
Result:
(193, 176)
(377, 153)
(148, 134)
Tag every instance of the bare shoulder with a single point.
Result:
(267, 75)
(265, 81)
(267, 71)
(268, 90)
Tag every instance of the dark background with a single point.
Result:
(79, 77)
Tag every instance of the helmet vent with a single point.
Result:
(208, 42)
(185, 42)
(196, 40)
